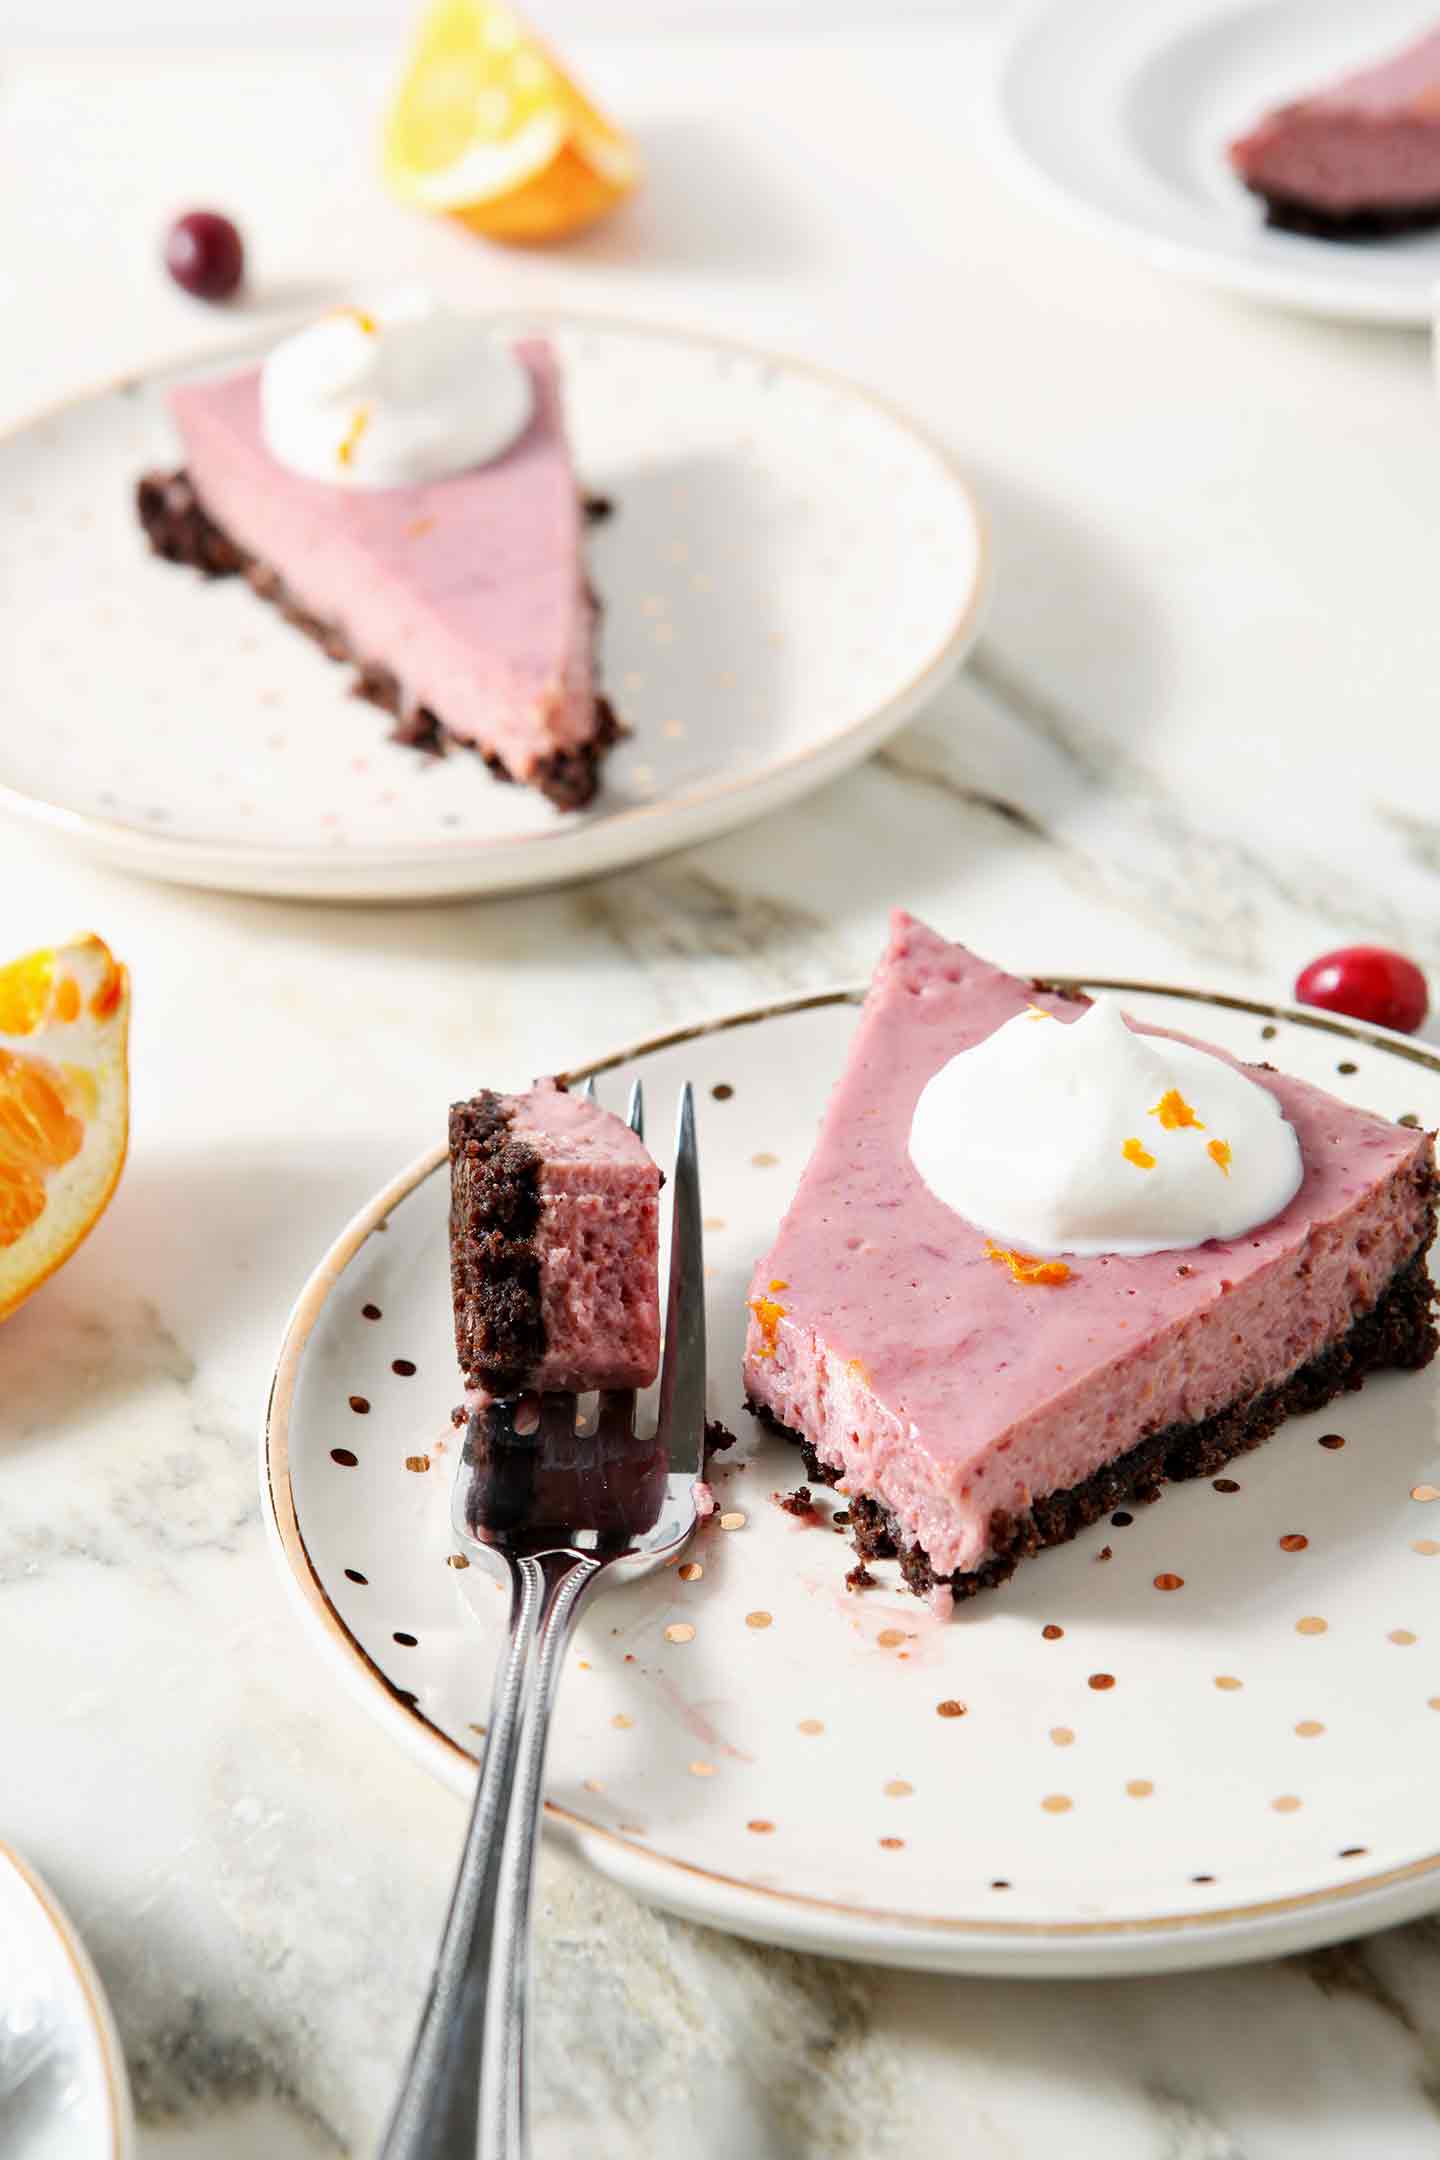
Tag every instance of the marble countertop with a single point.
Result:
(1195, 744)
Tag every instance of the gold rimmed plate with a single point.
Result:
(64, 2094)
(792, 569)
(1082, 1773)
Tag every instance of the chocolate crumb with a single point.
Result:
(718, 1437)
(859, 1577)
(798, 1502)
(1106, 1552)
(597, 508)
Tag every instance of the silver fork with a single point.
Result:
(558, 1512)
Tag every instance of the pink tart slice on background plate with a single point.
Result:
(977, 1399)
(401, 488)
(1357, 159)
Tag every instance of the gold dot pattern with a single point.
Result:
(1052, 1633)
(593, 1784)
(1286, 1804)
(417, 1462)
(760, 1826)
(1403, 1636)
(1228, 1682)
(679, 1631)
(890, 1638)
(892, 1844)
(456, 1560)
(950, 1708)
(1062, 1736)
(1309, 1728)
(1169, 1582)
(621, 1721)
(1057, 1803)
(733, 1519)
(758, 1619)
(1425, 1492)
(899, 1788)
(702, 1769)
(1293, 1541)
(1426, 1545)
(811, 1726)
(1100, 1681)
(691, 1571)
(764, 1160)
(1312, 1624)
(1139, 1788)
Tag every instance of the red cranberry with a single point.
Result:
(1368, 983)
(205, 254)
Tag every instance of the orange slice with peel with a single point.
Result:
(64, 1106)
(487, 127)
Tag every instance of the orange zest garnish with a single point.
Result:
(63, 1106)
(1135, 1152)
(769, 1315)
(1219, 1152)
(352, 435)
(1025, 1268)
(1174, 1112)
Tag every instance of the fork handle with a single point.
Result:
(562, 1580)
(469, 2051)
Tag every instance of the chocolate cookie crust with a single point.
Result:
(1286, 213)
(494, 1267)
(181, 530)
(1397, 1332)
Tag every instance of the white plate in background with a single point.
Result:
(1118, 115)
(790, 572)
(1245, 1787)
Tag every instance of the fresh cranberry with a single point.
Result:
(1368, 983)
(205, 254)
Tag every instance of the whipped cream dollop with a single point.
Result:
(1086, 1137)
(392, 395)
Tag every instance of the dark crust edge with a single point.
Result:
(1374, 221)
(1398, 1331)
(494, 1266)
(181, 530)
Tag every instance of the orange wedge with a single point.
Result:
(487, 127)
(64, 1106)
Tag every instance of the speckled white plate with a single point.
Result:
(63, 2090)
(1079, 1773)
(1118, 116)
(790, 572)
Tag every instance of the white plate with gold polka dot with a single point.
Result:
(1075, 1774)
(789, 572)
